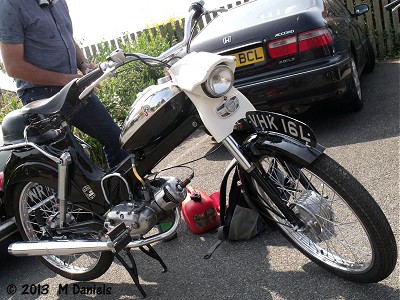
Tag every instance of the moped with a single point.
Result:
(77, 217)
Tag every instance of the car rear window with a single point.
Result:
(257, 12)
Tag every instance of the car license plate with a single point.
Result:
(248, 57)
(269, 121)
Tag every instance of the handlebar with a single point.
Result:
(118, 58)
(89, 78)
(395, 4)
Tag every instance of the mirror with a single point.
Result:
(360, 9)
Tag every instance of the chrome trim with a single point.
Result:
(65, 161)
(292, 75)
(33, 145)
(61, 247)
(145, 106)
(234, 149)
(69, 247)
(120, 177)
(240, 47)
(7, 226)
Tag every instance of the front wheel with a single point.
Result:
(36, 214)
(344, 231)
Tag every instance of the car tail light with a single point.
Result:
(315, 39)
(1, 180)
(302, 42)
(283, 47)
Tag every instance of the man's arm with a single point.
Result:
(17, 67)
(83, 65)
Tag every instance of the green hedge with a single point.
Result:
(8, 102)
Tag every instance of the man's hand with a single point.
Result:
(87, 67)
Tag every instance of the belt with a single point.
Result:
(38, 88)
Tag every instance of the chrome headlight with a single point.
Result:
(219, 82)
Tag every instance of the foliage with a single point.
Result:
(8, 102)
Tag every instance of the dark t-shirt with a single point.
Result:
(46, 34)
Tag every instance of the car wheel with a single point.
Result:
(370, 64)
(353, 97)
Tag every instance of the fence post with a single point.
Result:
(86, 50)
(171, 33)
(94, 51)
(179, 31)
(153, 31)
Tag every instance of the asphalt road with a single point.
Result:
(266, 267)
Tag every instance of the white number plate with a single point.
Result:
(269, 121)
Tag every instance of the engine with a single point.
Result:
(141, 215)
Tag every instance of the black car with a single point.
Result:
(292, 54)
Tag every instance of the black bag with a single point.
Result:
(240, 220)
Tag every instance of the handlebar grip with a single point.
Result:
(198, 8)
(89, 78)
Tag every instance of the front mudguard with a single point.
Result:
(282, 146)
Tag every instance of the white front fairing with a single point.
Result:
(219, 115)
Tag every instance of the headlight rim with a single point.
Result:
(207, 84)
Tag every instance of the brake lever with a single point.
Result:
(118, 56)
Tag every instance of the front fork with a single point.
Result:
(272, 192)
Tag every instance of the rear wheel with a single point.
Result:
(344, 229)
(370, 64)
(36, 213)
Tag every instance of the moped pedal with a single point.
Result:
(119, 237)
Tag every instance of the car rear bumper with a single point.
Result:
(292, 88)
(7, 228)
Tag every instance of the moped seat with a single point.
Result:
(50, 105)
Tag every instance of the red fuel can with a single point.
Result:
(215, 198)
(199, 211)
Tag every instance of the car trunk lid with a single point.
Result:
(264, 37)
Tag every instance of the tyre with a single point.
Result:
(344, 229)
(36, 214)
(353, 98)
(370, 64)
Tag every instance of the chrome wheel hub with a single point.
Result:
(314, 211)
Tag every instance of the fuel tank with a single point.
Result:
(157, 112)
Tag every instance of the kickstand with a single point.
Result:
(131, 270)
(153, 254)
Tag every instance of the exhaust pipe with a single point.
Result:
(69, 247)
(61, 247)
